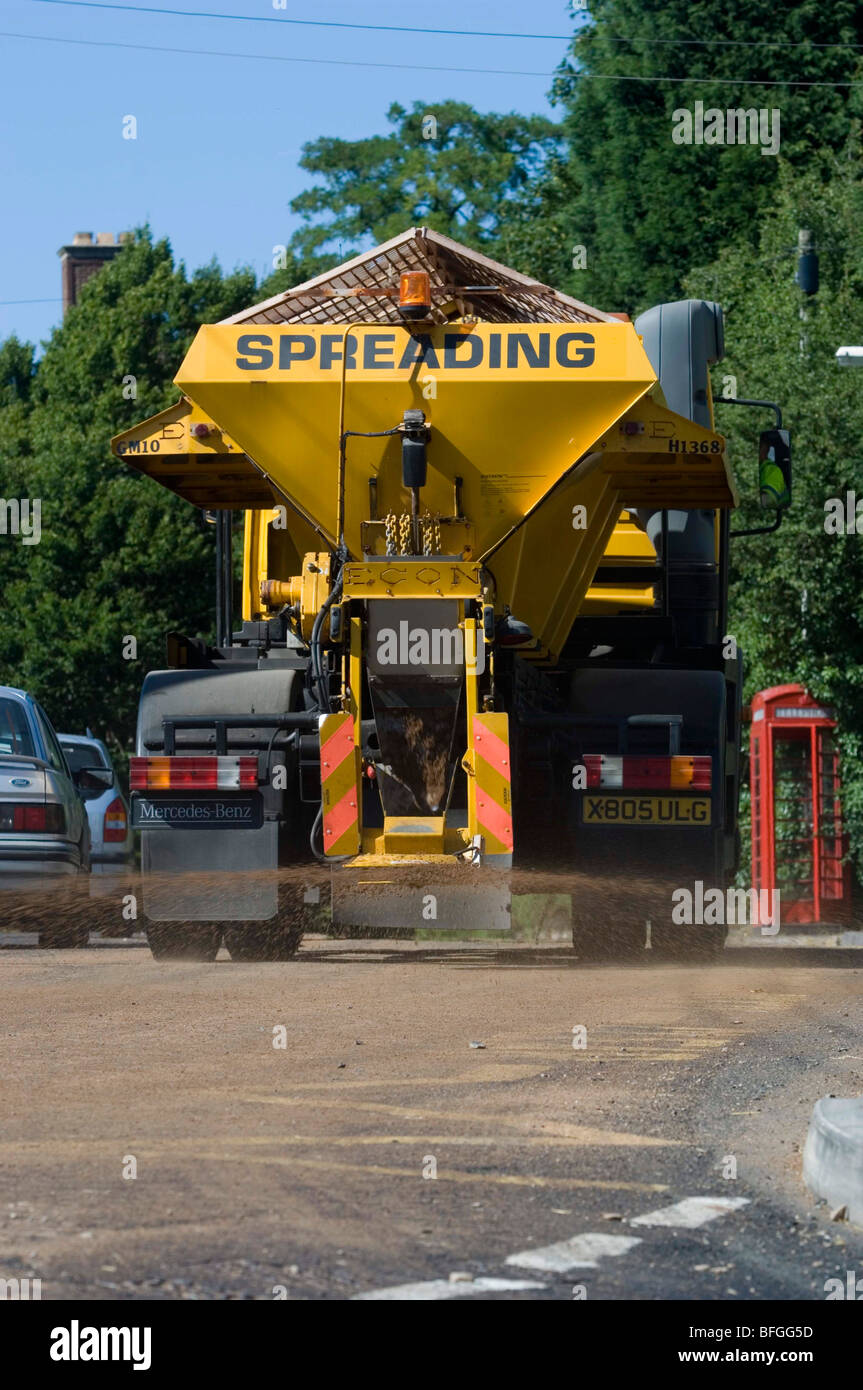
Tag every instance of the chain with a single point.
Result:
(399, 534)
(437, 542)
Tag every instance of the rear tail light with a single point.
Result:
(45, 819)
(649, 774)
(193, 774)
(114, 827)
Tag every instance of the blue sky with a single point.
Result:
(215, 164)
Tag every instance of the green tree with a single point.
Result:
(646, 208)
(119, 556)
(443, 165)
(17, 372)
(797, 596)
(536, 236)
(17, 377)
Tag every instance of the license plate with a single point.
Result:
(198, 812)
(670, 811)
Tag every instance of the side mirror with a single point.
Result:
(774, 469)
(93, 779)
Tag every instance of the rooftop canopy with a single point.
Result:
(464, 283)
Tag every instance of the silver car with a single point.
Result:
(44, 834)
(111, 837)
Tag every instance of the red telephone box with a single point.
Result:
(798, 845)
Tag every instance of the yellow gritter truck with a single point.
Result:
(484, 628)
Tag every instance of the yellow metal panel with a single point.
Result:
(377, 848)
(612, 598)
(621, 470)
(207, 469)
(355, 683)
(413, 834)
(544, 570)
(535, 419)
(515, 407)
(252, 564)
(211, 470)
(471, 675)
(490, 783)
(282, 541)
(659, 459)
(412, 577)
(339, 784)
(629, 544)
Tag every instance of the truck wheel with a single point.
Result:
(609, 941)
(256, 942)
(687, 943)
(184, 940)
(64, 938)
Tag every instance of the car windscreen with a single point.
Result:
(15, 735)
(80, 755)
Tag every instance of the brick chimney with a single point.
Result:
(85, 257)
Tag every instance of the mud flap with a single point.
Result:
(210, 875)
(390, 899)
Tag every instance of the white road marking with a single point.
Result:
(581, 1252)
(691, 1212)
(441, 1288)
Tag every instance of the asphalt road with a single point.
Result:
(377, 1148)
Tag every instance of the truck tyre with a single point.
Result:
(687, 943)
(277, 938)
(249, 942)
(184, 940)
(608, 941)
(64, 938)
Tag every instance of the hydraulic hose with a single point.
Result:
(322, 694)
(318, 853)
